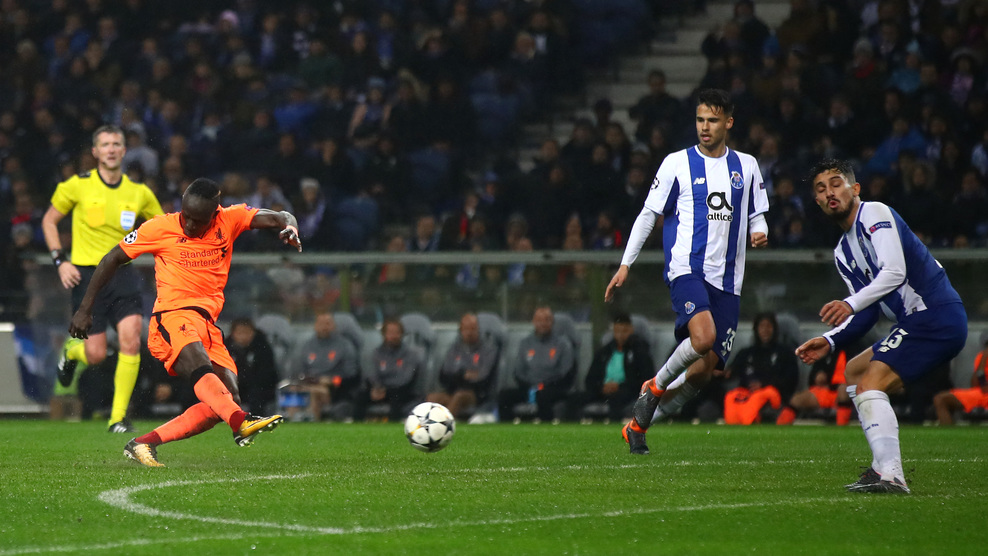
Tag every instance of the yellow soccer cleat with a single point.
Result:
(144, 454)
(254, 425)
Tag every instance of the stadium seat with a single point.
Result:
(789, 333)
(278, 330)
(564, 324)
(347, 325)
(419, 333)
(492, 328)
(594, 411)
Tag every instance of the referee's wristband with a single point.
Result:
(57, 257)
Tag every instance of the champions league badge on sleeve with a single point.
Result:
(131, 237)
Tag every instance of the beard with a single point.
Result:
(841, 215)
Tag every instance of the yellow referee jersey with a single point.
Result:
(102, 214)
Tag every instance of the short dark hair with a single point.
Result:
(716, 98)
(204, 188)
(842, 167)
(622, 318)
(242, 321)
(107, 128)
(395, 321)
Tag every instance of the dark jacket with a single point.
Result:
(257, 373)
(769, 364)
(462, 357)
(638, 367)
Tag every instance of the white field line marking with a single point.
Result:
(683, 463)
(120, 498)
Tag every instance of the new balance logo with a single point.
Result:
(699, 181)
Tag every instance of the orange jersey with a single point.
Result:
(190, 272)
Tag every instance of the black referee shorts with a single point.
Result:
(118, 299)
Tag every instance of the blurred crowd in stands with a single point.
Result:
(353, 114)
(364, 116)
(897, 86)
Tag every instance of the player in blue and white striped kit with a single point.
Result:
(888, 269)
(710, 201)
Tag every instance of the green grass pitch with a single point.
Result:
(497, 489)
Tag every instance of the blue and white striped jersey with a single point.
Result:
(707, 204)
(881, 260)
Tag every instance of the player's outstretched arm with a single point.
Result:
(616, 282)
(644, 223)
(813, 350)
(82, 320)
(268, 219)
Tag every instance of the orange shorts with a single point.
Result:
(972, 398)
(170, 331)
(826, 397)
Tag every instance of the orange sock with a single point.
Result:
(650, 384)
(633, 425)
(196, 419)
(787, 417)
(843, 415)
(211, 390)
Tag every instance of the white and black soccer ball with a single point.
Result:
(430, 427)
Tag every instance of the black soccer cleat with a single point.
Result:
(881, 486)
(66, 367)
(635, 440)
(121, 427)
(868, 478)
(646, 403)
(895, 486)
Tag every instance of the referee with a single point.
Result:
(105, 206)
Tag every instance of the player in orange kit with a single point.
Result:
(192, 251)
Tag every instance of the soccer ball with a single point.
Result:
(429, 427)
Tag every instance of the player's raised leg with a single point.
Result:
(702, 334)
(195, 420)
(685, 387)
(217, 387)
